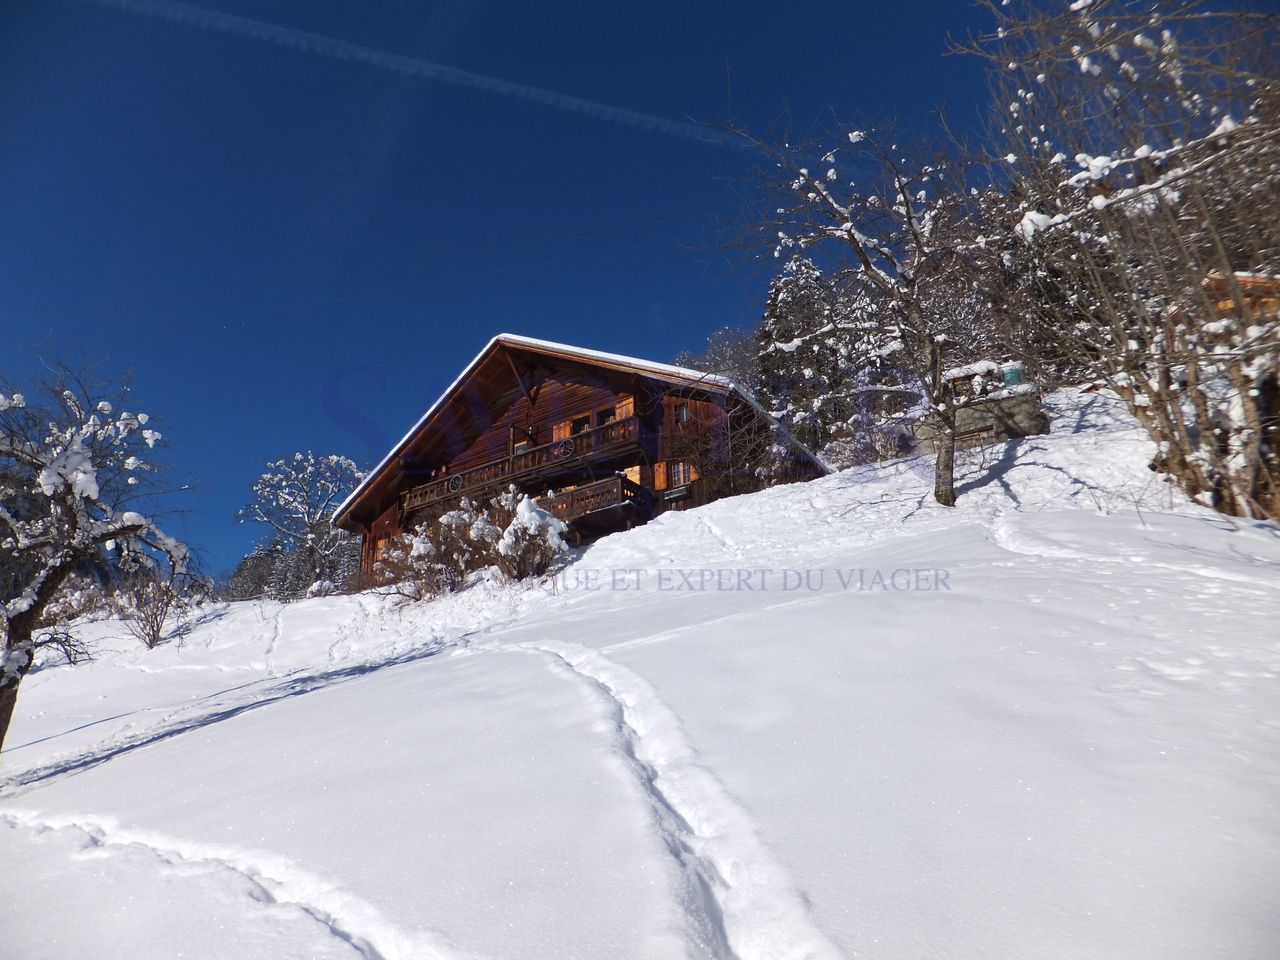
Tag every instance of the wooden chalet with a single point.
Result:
(605, 442)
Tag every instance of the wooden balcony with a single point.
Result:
(559, 456)
(599, 496)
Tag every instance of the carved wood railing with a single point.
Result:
(590, 497)
(566, 453)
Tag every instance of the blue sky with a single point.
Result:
(291, 247)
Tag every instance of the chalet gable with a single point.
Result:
(520, 392)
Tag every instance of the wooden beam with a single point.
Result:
(529, 394)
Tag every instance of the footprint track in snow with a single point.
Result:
(272, 879)
(740, 901)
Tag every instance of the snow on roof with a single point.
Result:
(1247, 279)
(982, 368)
(664, 371)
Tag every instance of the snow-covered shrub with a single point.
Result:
(408, 568)
(512, 535)
(531, 539)
(871, 435)
(457, 551)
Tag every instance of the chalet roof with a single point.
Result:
(658, 371)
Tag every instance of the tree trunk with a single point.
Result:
(8, 697)
(944, 481)
(19, 631)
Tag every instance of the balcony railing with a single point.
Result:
(592, 497)
(558, 454)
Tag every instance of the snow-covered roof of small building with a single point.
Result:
(659, 371)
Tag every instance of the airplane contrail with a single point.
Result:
(192, 16)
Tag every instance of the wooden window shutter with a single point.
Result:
(560, 431)
(693, 472)
(660, 475)
(626, 407)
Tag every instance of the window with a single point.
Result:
(521, 440)
(580, 424)
(677, 473)
(606, 416)
(682, 413)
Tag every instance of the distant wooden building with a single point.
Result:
(1244, 295)
(604, 441)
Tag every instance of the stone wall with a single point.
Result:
(991, 421)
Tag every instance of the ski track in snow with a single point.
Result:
(188, 718)
(274, 878)
(257, 692)
(739, 899)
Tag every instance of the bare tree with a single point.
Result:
(71, 466)
(153, 600)
(729, 352)
(904, 241)
(1141, 147)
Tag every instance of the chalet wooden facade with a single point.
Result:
(603, 441)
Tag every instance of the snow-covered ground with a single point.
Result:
(731, 733)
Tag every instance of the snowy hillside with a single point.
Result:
(828, 720)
